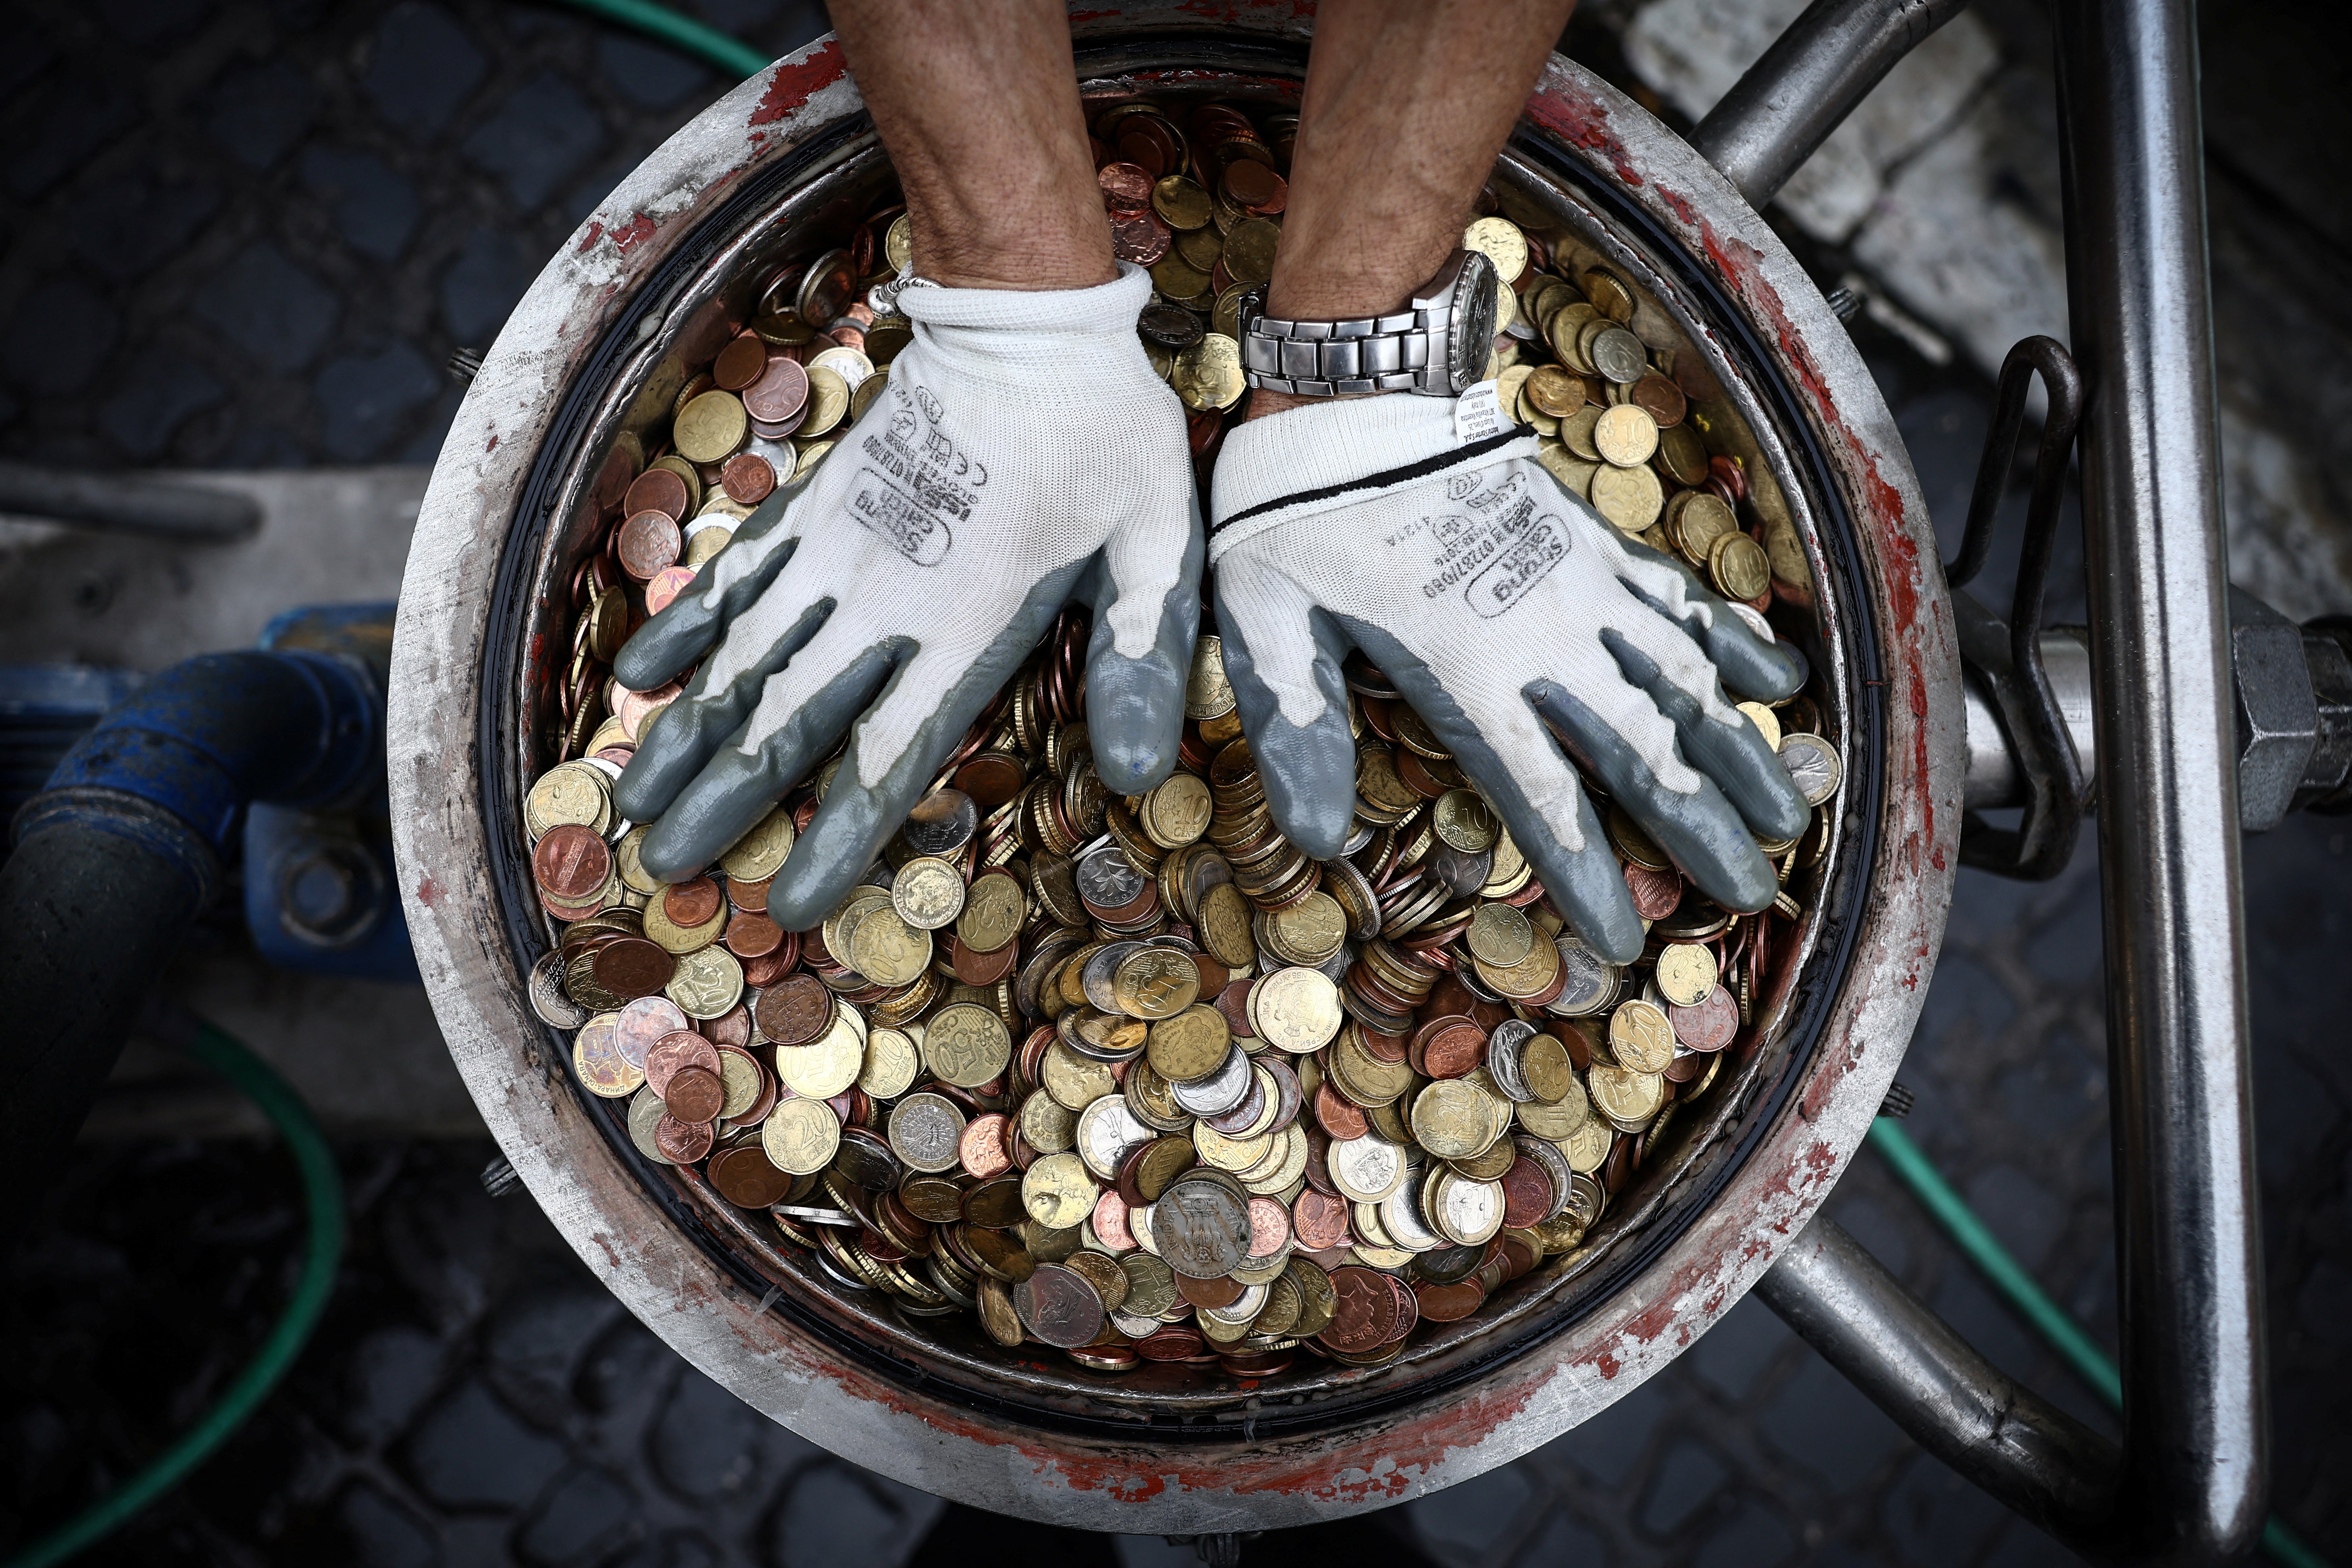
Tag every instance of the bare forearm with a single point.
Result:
(1407, 103)
(976, 101)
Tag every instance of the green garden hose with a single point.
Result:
(683, 33)
(2006, 1275)
(323, 1191)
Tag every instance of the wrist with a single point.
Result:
(1024, 245)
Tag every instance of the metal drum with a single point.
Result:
(660, 277)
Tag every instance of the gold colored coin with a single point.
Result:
(1609, 294)
(812, 453)
(1059, 1191)
(1574, 473)
(1700, 521)
(1209, 374)
(1208, 692)
(1630, 499)
(596, 1058)
(707, 982)
(709, 427)
(889, 1065)
(1297, 1010)
(828, 400)
(1177, 277)
(1576, 432)
(1510, 385)
(1075, 1082)
(1625, 435)
(739, 1075)
(1191, 1045)
(1686, 975)
(927, 893)
(826, 1065)
(759, 853)
(966, 1045)
(1739, 567)
(1048, 1124)
(1177, 812)
(1453, 1118)
(898, 244)
(573, 794)
(1766, 722)
(1555, 1119)
(1641, 1037)
(1564, 327)
(888, 951)
(1587, 1148)
(1545, 1066)
(1462, 820)
(993, 909)
(1313, 929)
(1182, 204)
(1501, 935)
(1220, 1152)
(1249, 250)
(628, 862)
(801, 1137)
(1225, 928)
(1628, 1099)
(1498, 240)
(1682, 453)
(1156, 983)
(671, 937)
(1554, 391)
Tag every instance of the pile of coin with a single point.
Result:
(1135, 1077)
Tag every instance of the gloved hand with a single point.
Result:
(1022, 455)
(1488, 594)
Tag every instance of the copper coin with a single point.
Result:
(571, 862)
(1058, 1307)
(982, 1149)
(1337, 1115)
(1254, 188)
(689, 904)
(1320, 1220)
(645, 1022)
(1656, 894)
(751, 934)
(1407, 1307)
(1126, 188)
(694, 1094)
(1218, 1291)
(732, 1029)
(1110, 1223)
(1685, 1067)
(1448, 1303)
(663, 586)
(795, 1010)
(991, 780)
(1140, 237)
(780, 395)
(633, 966)
(983, 968)
(1527, 1194)
(680, 1048)
(1710, 1025)
(1269, 1228)
(647, 544)
(1363, 1312)
(1171, 1343)
(683, 1142)
(741, 363)
(655, 490)
(759, 973)
(1233, 1003)
(1457, 1051)
(1258, 1364)
(748, 479)
(745, 1178)
(995, 1203)
(1661, 399)
(749, 895)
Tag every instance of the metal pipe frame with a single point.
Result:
(1804, 86)
(2190, 1481)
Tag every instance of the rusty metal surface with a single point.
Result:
(928, 1440)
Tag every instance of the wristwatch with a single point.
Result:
(1437, 345)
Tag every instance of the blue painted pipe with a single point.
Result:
(127, 844)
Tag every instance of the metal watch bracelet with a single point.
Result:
(1404, 352)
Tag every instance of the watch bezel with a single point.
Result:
(1470, 328)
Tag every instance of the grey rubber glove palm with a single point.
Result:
(1023, 454)
(1494, 600)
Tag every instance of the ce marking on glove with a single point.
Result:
(1498, 551)
(914, 480)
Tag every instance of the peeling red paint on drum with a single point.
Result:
(1584, 121)
(428, 893)
(794, 82)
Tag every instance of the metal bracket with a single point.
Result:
(2008, 660)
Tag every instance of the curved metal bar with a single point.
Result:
(2027, 1453)
(1805, 85)
(2196, 1424)
(127, 504)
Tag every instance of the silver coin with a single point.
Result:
(1241, 1117)
(1586, 1199)
(1619, 355)
(1547, 1155)
(1107, 878)
(1813, 766)
(1243, 1309)
(924, 1132)
(1367, 1169)
(1401, 1217)
(547, 998)
(1588, 981)
(840, 1218)
(1463, 871)
(1506, 1055)
(942, 823)
(1108, 1132)
(1095, 978)
(1220, 1092)
(1202, 1229)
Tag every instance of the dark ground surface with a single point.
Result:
(249, 235)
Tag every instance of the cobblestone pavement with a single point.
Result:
(248, 234)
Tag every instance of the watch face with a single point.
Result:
(1472, 341)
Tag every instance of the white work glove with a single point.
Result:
(1492, 600)
(1023, 454)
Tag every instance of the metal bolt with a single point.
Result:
(466, 364)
